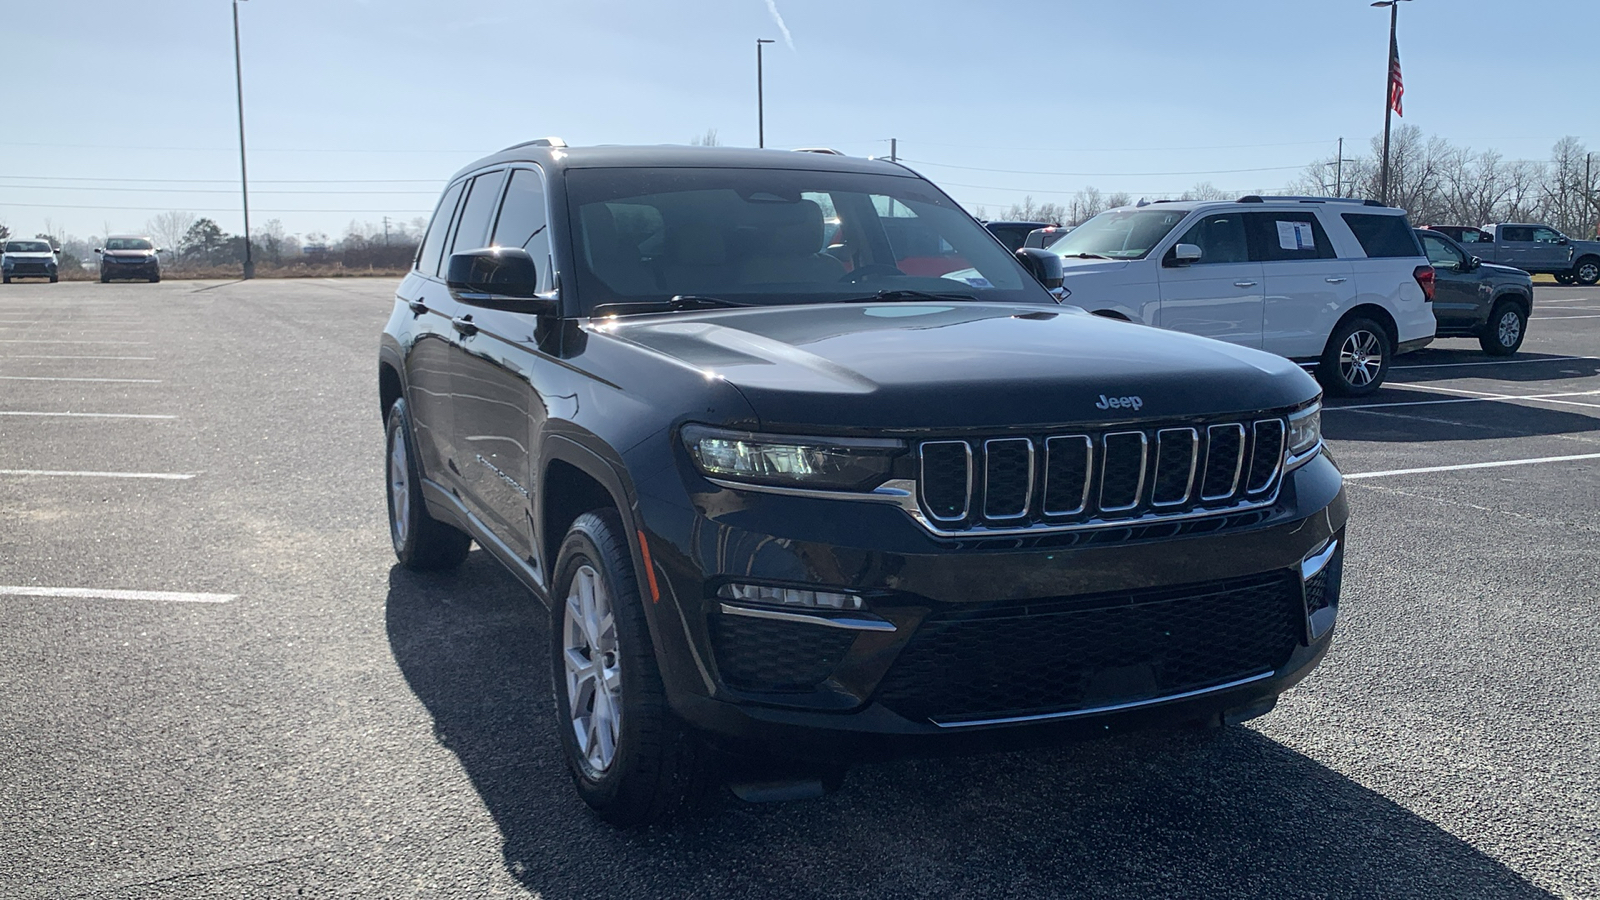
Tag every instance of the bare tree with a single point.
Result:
(1119, 198)
(1028, 211)
(709, 139)
(1205, 190)
(169, 228)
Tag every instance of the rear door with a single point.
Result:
(1219, 296)
(1307, 286)
(428, 357)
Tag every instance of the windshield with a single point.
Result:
(27, 247)
(1120, 233)
(127, 244)
(778, 236)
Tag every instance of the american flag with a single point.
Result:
(1397, 87)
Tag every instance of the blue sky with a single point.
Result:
(1143, 96)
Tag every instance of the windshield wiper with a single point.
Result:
(677, 302)
(1085, 256)
(892, 296)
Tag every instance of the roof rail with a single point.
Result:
(1295, 198)
(828, 150)
(541, 142)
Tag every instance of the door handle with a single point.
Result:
(1334, 280)
(417, 307)
(1244, 284)
(464, 325)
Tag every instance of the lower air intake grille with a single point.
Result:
(1061, 655)
(785, 657)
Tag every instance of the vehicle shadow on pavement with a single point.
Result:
(1467, 421)
(1446, 365)
(1231, 814)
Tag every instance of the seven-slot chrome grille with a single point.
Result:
(1081, 478)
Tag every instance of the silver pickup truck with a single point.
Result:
(1539, 249)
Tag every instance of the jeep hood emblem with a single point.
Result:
(1134, 402)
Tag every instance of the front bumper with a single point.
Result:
(29, 269)
(994, 642)
(140, 269)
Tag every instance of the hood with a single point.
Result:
(40, 254)
(845, 367)
(1585, 248)
(1073, 265)
(1506, 271)
(130, 254)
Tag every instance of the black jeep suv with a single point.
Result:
(810, 499)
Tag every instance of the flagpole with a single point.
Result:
(1388, 101)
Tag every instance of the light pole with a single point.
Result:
(244, 178)
(761, 111)
(1391, 77)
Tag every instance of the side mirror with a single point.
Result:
(499, 277)
(1183, 255)
(1561, 241)
(98, 250)
(1042, 265)
(1473, 263)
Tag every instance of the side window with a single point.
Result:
(472, 232)
(433, 244)
(1518, 233)
(1439, 252)
(523, 221)
(1221, 239)
(1279, 236)
(1546, 235)
(1383, 236)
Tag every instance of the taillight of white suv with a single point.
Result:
(1425, 280)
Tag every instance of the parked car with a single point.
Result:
(129, 256)
(1539, 249)
(1015, 234)
(804, 510)
(1473, 298)
(1044, 237)
(1463, 234)
(1340, 286)
(28, 259)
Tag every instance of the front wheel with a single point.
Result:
(1504, 331)
(1356, 358)
(632, 760)
(421, 542)
(1587, 271)
(54, 278)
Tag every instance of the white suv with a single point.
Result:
(1336, 285)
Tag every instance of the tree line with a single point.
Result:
(1437, 182)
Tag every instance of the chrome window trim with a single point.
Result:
(1088, 474)
(922, 477)
(847, 623)
(1115, 707)
(1144, 466)
(1238, 463)
(1027, 498)
(1277, 466)
(1194, 460)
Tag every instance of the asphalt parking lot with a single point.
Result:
(279, 711)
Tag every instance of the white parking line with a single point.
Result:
(1558, 318)
(1494, 362)
(100, 380)
(37, 356)
(160, 476)
(76, 415)
(1490, 395)
(96, 594)
(1480, 398)
(18, 341)
(1478, 465)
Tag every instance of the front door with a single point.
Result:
(1550, 251)
(1221, 295)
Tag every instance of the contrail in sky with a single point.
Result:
(772, 7)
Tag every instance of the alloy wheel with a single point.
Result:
(1588, 273)
(399, 489)
(1509, 329)
(1360, 358)
(594, 668)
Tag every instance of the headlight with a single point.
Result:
(1305, 431)
(828, 464)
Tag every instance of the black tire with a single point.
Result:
(1503, 333)
(104, 280)
(1586, 271)
(156, 280)
(6, 279)
(1356, 359)
(54, 278)
(421, 542)
(657, 766)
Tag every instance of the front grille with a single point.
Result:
(1075, 653)
(29, 268)
(781, 657)
(1062, 480)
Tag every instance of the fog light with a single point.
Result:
(789, 597)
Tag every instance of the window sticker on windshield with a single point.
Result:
(1296, 236)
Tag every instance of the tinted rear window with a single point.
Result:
(1384, 237)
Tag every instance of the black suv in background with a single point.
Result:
(792, 504)
(129, 256)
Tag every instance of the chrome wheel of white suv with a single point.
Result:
(1356, 358)
(1361, 358)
